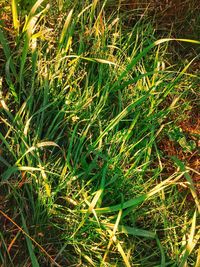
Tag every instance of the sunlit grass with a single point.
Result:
(85, 102)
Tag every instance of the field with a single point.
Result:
(99, 133)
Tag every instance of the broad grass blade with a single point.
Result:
(65, 28)
(34, 260)
(14, 4)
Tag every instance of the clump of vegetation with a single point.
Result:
(86, 102)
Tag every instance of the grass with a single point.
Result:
(86, 102)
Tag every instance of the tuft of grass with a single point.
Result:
(85, 103)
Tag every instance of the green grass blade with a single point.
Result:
(133, 231)
(191, 242)
(7, 52)
(183, 169)
(65, 28)
(30, 246)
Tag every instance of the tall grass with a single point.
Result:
(84, 104)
